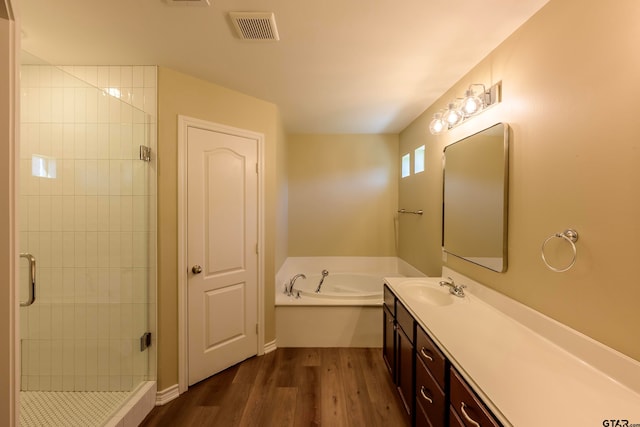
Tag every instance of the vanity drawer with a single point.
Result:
(429, 396)
(405, 320)
(389, 300)
(466, 404)
(431, 356)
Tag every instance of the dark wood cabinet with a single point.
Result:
(433, 393)
(467, 406)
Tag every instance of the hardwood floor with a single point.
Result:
(292, 387)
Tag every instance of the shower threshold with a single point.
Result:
(69, 408)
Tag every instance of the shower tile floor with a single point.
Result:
(68, 408)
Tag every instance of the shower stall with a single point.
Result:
(87, 233)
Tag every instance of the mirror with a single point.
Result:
(476, 177)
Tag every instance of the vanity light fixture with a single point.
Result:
(460, 110)
(437, 125)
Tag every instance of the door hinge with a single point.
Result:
(145, 341)
(257, 170)
(256, 329)
(145, 153)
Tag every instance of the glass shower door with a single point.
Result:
(85, 221)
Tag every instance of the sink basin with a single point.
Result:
(425, 293)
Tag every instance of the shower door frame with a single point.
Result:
(9, 152)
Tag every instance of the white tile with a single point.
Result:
(103, 107)
(80, 176)
(68, 250)
(114, 336)
(138, 76)
(91, 184)
(115, 107)
(150, 101)
(92, 213)
(45, 76)
(92, 286)
(126, 113)
(114, 177)
(103, 296)
(115, 151)
(114, 250)
(103, 141)
(80, 107)
(126, 250)
(57, 142)
(126, 142)
(140, 250)
(67, 170)
(103, 260)
(80, 248)
(34, 213)
(114, 77)
(92, 350)
(150, 73)
(56, 213)
(56, 262)
(91, 75)
(91, 150)
(137, 100)
(68, 352)
(57, 77)
(115, 215)
(126, 177)
(68, 107)
(126, 76)
(45, 103)
(103, 220)
(68, 293)
(57, 104)
(80, 141)
(80, 326)
(80, 213)
(104, 170)
(68, 213)
(45, 334)
(103, 77)
(92, 95)
(44, 255)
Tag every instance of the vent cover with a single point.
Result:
(188, 2)
(260, 26)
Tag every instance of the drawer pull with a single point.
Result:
(423, 352)
(468, 418)
(424, 395)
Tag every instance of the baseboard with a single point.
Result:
(270, 346)
(167, 395)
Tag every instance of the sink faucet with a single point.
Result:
(325, 273)
(457, 290)
(292, 281)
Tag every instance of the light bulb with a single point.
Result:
(471, 104)
(437, 125)
(453, 116)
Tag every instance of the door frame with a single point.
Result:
(9, 185)
(184, 123)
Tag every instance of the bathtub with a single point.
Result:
(348, 310)
(343, 286)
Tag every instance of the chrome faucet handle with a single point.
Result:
(448, 282)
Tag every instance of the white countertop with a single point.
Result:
(523, 377)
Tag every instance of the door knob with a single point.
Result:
(196, 269)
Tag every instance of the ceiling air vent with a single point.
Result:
(188, 2)
(260, 26)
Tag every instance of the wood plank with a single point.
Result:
(291, 387)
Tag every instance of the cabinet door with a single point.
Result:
(404, 369)
(429, 397)
(388, 337)
(467, 405)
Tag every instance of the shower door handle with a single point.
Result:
(32, 279)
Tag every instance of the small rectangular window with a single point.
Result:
(406, 165)
(418, 165)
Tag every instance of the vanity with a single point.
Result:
(486, 360)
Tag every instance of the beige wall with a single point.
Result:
(8, 363)
(570, 79)
(179, 94)
(342, 194)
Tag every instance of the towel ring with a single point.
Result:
(570, 236)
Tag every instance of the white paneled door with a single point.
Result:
(222, 238)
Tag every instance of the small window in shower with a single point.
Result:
(406, 165)
(43, 166)
(418, 162)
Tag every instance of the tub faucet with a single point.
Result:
(325, 273)
(457, 290)
(292, 281)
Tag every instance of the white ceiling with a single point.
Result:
(341, 66)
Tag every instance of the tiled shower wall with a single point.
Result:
(90, 222)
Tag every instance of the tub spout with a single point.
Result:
(325, 273)
(289, 290)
